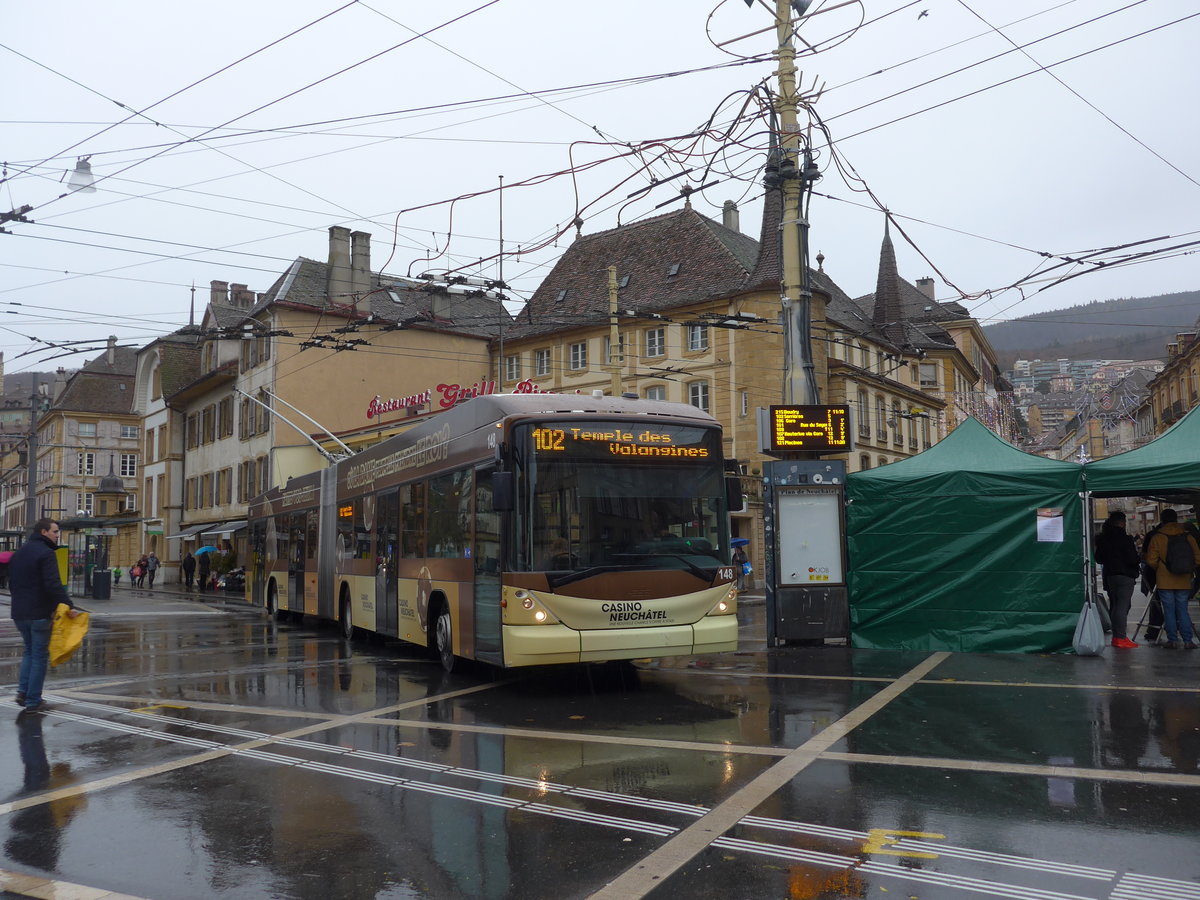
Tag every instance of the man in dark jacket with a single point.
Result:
(37, 589)
(1117, 552)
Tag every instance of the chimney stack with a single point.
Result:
(339, 285)
(730, 217)
(360, 270)
(60, 382)
(110, 355)
(926, 287)
(241, 296)
(218, 292)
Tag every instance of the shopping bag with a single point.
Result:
(66, 634)
(1089, 632)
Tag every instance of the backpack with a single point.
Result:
(1179, 558)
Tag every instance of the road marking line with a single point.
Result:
(963, 882)
(35, 886)
(1139, 776)
(660, 864)
(1149, 887)
(882, 838)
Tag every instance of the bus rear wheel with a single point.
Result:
(443, 632)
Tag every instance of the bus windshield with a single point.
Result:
(613, 495)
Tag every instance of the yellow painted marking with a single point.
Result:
(882, 838)
(158, 706)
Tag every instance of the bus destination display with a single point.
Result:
(635, 442)
(808, 428)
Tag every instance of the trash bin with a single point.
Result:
(101, 584)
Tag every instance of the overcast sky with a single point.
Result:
(342, 116)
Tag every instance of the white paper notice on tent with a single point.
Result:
(1050, 525)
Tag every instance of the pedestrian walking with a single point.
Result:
(204, 569)
(740, 561)
(189, 569)
(140, 568)
(1118, 554)
(37, 590)
(1174, 555)
(117, 573)
(151, 567)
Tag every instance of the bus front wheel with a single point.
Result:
(443, 635)
(346, 622)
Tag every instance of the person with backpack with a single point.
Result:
(1174, 555)
(1116, 551)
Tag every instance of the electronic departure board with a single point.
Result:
(613, 440)
(811, 429)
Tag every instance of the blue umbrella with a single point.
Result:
(739, 542)
(199, 550)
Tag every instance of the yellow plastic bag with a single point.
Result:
(66, 634)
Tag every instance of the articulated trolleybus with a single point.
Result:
(516, 529)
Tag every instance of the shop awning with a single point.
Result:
(189, 532)
(226, 528)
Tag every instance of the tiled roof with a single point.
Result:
(179, 360)
(101, 386)
(392, 300)
(666, 262)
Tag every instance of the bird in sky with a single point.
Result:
(922, 14)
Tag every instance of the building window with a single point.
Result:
(658, 392)
(512, 368)
(86, 464)
(897, 428)
(130, 502)
(87, 429)
(541, 362)
(745, 406)
(264, 474)
(925, 432)
(129, 431)
(928, 375)
(912, 434)
(225, 417)
(864, 462)
(579, 356)
(864, 415)
(208, 424)
(225, 486)
(698, 394)
(128, 465)
(193, 431)
(162, 441)
(697, 338)
(150, 457)
(881, 419)
(656, 342)
(87, 503)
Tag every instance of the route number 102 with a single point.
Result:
(548, 438)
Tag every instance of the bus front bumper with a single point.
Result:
(537, 645)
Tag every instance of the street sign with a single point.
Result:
(807, 429)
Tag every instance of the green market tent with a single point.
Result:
(1168, 465)
(944, 549)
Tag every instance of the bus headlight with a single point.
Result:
(539, 616)
(527, 603)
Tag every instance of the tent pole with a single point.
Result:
(1089, 575)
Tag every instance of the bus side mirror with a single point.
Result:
(503, 491)
(733, 494)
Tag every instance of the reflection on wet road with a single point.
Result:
(197, 752)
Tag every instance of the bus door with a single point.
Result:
(257, 574)
(486, 555)
(297, 556)
(387, 553)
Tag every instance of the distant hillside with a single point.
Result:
(1128, 328)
